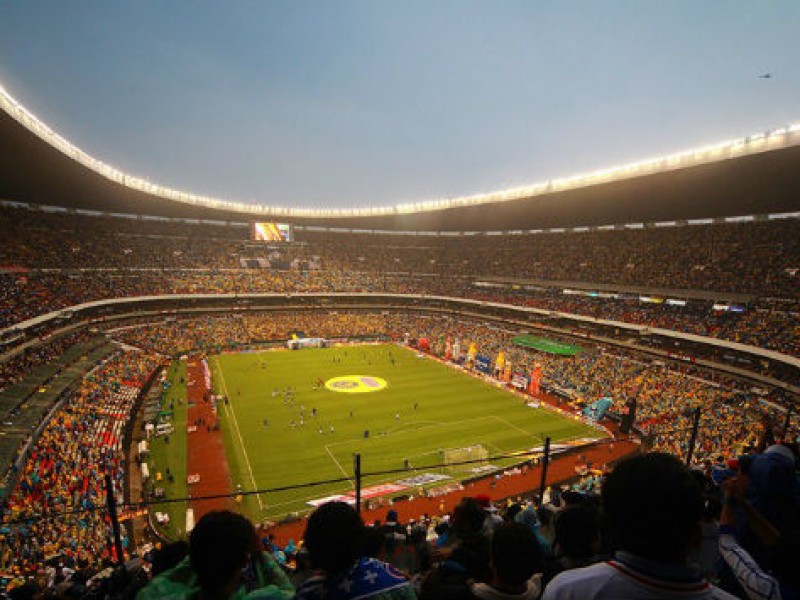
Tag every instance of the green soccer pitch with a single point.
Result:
(425, 408)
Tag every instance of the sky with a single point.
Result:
(352, 103)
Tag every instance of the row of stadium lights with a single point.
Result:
(755, 143)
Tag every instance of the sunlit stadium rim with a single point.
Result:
(771, 140)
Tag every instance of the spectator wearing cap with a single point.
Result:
(392, 537)
(773, 487)
(393, 531)
(530, 518)
(653, 508)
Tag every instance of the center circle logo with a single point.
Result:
(356, 384)
(343, 385)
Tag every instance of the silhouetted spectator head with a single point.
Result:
(653, 507)
(773, 470)
(168, 556)
(468, 517)
(374, 542)
(516, 554)
(334, 537)
(27, 591)
(471, 547)
(577, 532)
(572, 498)
(545, 516)
(772, 486)
(220, 546)
(512, 511)
(484, 501)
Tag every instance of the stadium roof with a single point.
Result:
(756, 175)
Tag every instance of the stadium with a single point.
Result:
(164, 355)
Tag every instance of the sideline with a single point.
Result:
(341, 468)
(238, 433)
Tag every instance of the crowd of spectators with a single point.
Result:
(751, 257)
(652, 528)
(763, 323)
(52, 515)
(227, 331)
(25, 296)
(60, 260)
(17, 367)
(60, 240)
(740, 257)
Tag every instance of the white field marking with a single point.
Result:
(520, 429)
(497, 449)
(440, 450)
(298, 500)
(421, 454)
(238, 433)
(405, 426)
(434, 424)
(338, 464)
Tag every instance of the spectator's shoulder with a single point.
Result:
(312, 588)
(580, 583)
(176, 583)
(163, 589)
(604, 581)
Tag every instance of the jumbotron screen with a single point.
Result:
(271, 232)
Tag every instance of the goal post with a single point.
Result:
(451, 457)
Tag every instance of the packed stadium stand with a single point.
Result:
(687, 308)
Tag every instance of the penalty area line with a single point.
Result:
(520, 429)
(341, 468)
(400, 430)
(238, 433)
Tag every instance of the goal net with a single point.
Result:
(451, 457)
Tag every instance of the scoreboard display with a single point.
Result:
(271, 232)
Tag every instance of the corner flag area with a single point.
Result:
(288, 423)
